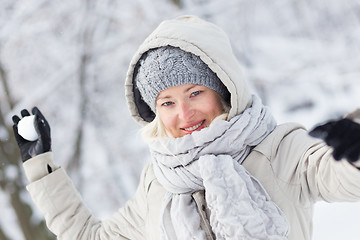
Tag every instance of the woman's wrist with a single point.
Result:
(39, 166)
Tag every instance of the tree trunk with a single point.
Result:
(9, 155)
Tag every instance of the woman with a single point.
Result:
(221, 168)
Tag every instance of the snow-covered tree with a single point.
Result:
(70, 59)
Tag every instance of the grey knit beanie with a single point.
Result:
(165, 67)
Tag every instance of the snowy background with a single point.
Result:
(70, 58)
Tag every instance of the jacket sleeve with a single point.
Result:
(307, 164)
(328, 179)
(67, 216)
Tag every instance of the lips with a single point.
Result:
(194, 127)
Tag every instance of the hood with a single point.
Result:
(203, 39)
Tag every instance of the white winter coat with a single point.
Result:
(295, 169)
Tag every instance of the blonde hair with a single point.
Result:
(156, 128)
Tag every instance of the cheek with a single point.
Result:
(213, 107)
(167, 119)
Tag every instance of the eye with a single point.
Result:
(193, 94)
(168, 103)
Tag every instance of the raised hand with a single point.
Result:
(29, 149)
(343, 135)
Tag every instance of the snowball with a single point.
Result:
(26, 128)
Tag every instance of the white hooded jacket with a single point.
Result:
(295, 169)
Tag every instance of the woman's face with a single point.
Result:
(187, 108)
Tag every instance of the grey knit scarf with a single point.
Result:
(210, 160)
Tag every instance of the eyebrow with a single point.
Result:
(191, 87)
(186, 90)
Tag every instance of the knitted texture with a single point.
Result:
(165, 67)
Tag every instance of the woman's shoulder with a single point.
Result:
(283, 134)
(149, 181)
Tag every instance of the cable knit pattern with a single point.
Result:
(211, 159)
(166, 67)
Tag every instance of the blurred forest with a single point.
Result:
(70, 59)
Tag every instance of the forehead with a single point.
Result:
(177, 90)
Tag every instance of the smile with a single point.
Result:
(194, 127)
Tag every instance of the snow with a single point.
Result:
(8, 218)
(301, 57)
(336, 221)
(26, 128)
(11, 172)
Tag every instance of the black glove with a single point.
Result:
(343, 135)
(30, 149)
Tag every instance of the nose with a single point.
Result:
(186, 111)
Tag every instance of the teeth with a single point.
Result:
(194, 127)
